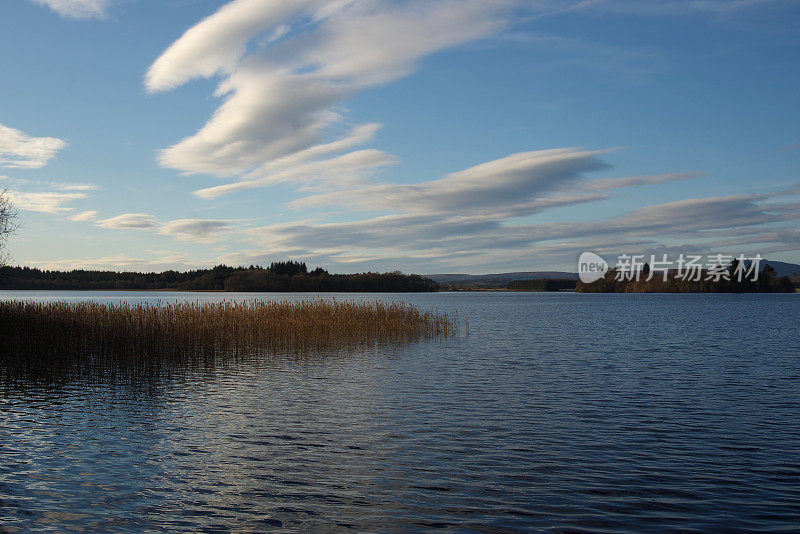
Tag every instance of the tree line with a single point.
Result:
(542, 284)
(279, 276)
(767, 281)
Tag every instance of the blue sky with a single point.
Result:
(427, 136)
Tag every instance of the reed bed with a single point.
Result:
(84, 335)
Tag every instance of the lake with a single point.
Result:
(554, 411)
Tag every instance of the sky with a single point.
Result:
(426, 136)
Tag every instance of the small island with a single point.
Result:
(725, 281)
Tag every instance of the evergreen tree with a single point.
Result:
(768, 278)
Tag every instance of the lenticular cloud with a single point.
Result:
(286, 66)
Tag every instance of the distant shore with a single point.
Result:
(294, 277)
(287, 276)
(726, 279)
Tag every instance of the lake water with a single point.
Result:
(556, 412)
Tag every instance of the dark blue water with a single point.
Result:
(557, 412)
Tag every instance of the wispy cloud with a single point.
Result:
(515, 184)
(340, 171)
(79, 9)
(285, 68)
(129, 221)
(468, 239)
(281, 99)
(21, 151)
(606, 184)
(85, 216)
(149, 262)
(200, 230)
(45, 196)
(468, 216)
(44, 202)
(48, 184)
(197, 230)
(682, 7)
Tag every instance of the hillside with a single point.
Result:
(501, 280)
(497, 280)
(785, 269)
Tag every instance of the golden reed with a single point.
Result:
(36, 335)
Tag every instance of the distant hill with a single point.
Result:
(497, 280)
(501, 280)
(784, 269)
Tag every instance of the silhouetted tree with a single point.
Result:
(768, 278)
(768, 282)
(219, 278)
(539, 284)
(785, 285)
(8, 222)
(288, 268)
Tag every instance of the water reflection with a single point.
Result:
(565, 412)
(111, 341)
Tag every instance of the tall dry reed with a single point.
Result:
(86, 334)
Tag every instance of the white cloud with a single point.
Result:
(199, 230)
(281, 100)
(285, 68)
(516, 185)
(75, 187)
(45, 196)
(217, 43)
(85, 216)
(470, 213)
(128, 221)
(639, 180)
(345, 170)
(157, 261)
(40, 184)
(79, 9)
(44, 202)
(21, 151)
(356, 137)
(440, 239)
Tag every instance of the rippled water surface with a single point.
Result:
(557, 412)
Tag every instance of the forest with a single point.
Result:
(279, 276)
(767, 281)
(542, 284)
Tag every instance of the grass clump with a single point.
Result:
(83, 335)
